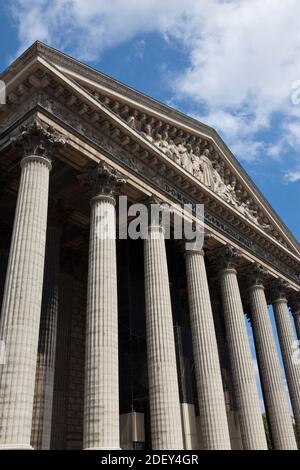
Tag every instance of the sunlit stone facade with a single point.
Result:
(112, 343)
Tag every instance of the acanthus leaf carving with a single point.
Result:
(37, 139)
(104, 179)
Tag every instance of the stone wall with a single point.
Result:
(67, 430)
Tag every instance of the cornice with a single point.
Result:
(140, 166)
(27, 59)
(69, 65)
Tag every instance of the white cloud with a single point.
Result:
(293, 132)
(243, 56)
(292, 176)
(137, 50)
(244, 62)
(248, 150)
(86, 28)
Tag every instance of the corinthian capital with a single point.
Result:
(278, 289)
(226, 257)
(103, 180)
(256, 274)
(294, 303)
(37, 139)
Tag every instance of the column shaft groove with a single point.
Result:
(296, 316)
(245, 388)
(291, 363)
(20, 319)
(212, 410)
(279, 418)
(101, 402)
(44, 381)
(166, 429)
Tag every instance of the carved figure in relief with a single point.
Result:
(132, 121)
(162, 143)
(196, 150)
(247, 211)
(206, 169)
(148, 132)
(184, 159)
(230, 194)
(219, 186)
(175, 153)
(265, 226)
(250, 212)
(209, 172)
(196, 166)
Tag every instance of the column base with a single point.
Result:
(15, 447)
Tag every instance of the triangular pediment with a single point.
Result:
(140, 124)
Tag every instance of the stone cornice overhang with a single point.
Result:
(82, 73)
(151, 154)
(38, 111)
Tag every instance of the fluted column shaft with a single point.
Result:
(101, 402)
(245, 388)
(3, 267)
(291, 362)
(212, 410)
(21, 308)
(296, 315)
(44, 381)
(279, 418)
(166, 429)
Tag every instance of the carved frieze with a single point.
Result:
(205, 165)
(196, 156)
(199, 158)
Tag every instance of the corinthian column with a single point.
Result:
(166, 430)
(101, 398)
(296, 315)
(243, 377)
(212, 410)
(3, 267)
(44, 380)
(20, 319)
(280, 421)
(288, 344)
(295, 308)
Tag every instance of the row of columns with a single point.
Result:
(241, 363)
(277, 408)
(21, 321)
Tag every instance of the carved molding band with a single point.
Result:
(139, 166)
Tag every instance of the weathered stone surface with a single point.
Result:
(20, 318)
(213, 419)
(279, 418)
(44, 380)
(244, 383)
(166, 429)
(288, 346)
(101, 405)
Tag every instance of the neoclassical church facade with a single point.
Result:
(134, 344)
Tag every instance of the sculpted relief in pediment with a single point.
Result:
(203, 163)
(191, 152)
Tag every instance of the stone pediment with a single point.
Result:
(173, 143)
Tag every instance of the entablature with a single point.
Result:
(123, 134)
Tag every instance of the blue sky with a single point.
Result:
(233, 64)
